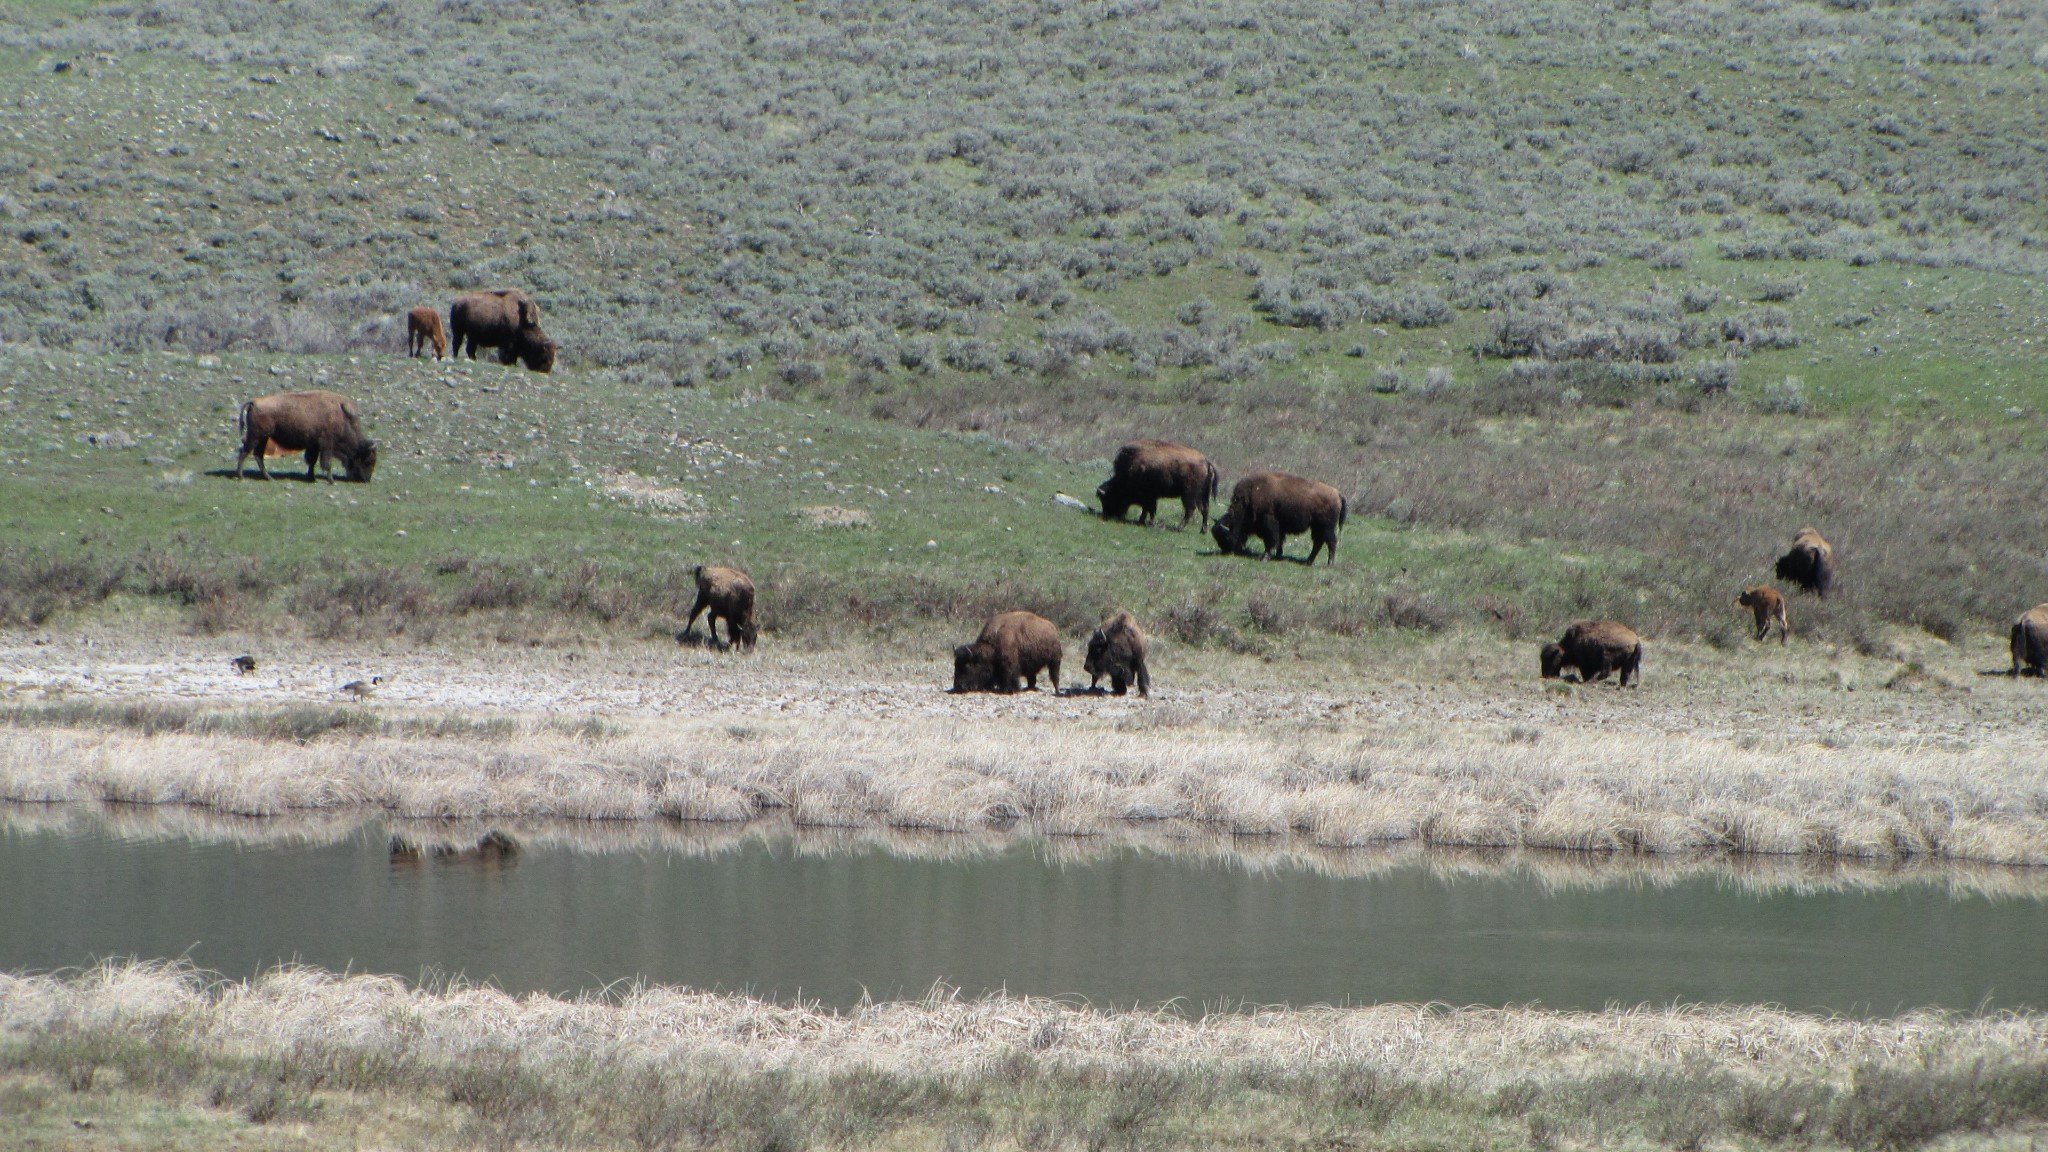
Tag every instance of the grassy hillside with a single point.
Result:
(1586, 310)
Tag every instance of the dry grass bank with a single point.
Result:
(1329, 786)
(658, 1067)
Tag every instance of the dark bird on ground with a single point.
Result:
(362, 689)
(244, 665)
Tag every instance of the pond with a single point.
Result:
(772, 914)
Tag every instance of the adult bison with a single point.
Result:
(1810, 564)
(1012, 646)
(1596, 648)
(2030, 642)
(1148, 471)
(1767, 605)
(506, 319)
(1117, 650)
(323, 425)
(1275, 505)
(726, 593)
(423, 327)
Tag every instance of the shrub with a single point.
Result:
(1784, 397)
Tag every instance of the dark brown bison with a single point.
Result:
(1147, 471)
(423, 327)
(323, 425)
(1275, 505)
(1012, 646)
(1810, 564)
(2030, 642)
(1117, 650)
(1767, 604)
(1596, 648)
(506, 319)
(726, 593)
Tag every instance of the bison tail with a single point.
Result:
(1343, 510)
(1215, 480)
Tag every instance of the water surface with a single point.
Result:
(1124, 927)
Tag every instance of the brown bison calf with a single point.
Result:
(423, 327)
(2030, 642)
(506, 319)
(725, 593)
(1275, 505)
(1012, 646)
(1767, 604)
(1147, 471)
(1810, 564)
(323, 425)
(1596, 648)
(1117, 650)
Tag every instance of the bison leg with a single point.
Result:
(1147, 509)
(1144, 680)
(1052, 672)
(1116, 684)
(696, 610)
(1187, 513)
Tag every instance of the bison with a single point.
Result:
(1117, 650)
(1810, 564)
(1767, 604)
(1147, 471)
(423, 327)
(726, 593)
(506, 319)
(1596, 648)
(1275, 505)
(2030, 642)
(323, 425)
(1012, 646)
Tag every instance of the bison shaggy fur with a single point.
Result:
(2030, 642)
(1012, 646)
(1767, 605)
(1117, 650)
(727, 594)
(1810, 564)
(422, 328)
(1272, 506)
(323, 425)
(1148, 471)
(1596, 648)
(506, 319)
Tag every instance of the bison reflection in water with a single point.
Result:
(494, 848)
(1596, 648)
(1148, 471)
(323, 425)
(1271, 506)
(1012, 646)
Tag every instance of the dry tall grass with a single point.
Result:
(1583, 790)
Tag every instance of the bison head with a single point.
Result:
(1097, 663)
(974, 669)
(1114, 503)
(1228, 539)
(360, 462)
(539, 355)
(745, 634)
(1553, 661)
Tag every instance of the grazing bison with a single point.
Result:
(1117, 650)
(1273, 506)
(2030, 642)
(1012, 646)
(323, 425)
(1596, 648)
(506, 319)
(727, 594)
(1767, 604)
(1147, 471)
(423, 327)
(1810, 564)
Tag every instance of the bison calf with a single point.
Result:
(323, 425)
(1596, 648)
(1117, 650)
(506, 319)
(1275, 505)
(1147, 471)
(1810, 564)
(1767, 604)
(727, 594)
(2030, 642)
(423, 327)
(1012, 646)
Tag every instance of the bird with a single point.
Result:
(244, 665)
(362, 689)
